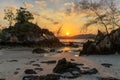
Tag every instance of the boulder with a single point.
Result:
(64, 66)
(39, 51)
(89, 48)
(29, 71)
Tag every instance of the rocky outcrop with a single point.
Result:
(29, 34)
(103, 44)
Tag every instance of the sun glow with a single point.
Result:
(67, 33)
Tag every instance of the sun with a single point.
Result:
(67, 33)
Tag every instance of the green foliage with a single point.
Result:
(23, 15)
(9, 16)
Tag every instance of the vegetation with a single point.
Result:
(9, 16)
(23, 15)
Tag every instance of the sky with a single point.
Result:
(52, 14)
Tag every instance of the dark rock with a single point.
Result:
(36, 65)
(13, 61)
(38, 69)
(39, 50)
(46, 77)
(29, 71)
(85, 47)
(52, 50)
(106, 65)
(16, 72)
(71, 44)
(31, 78)
(2, 79)
(49, 62)
(89, 71)
(63, 66)
(17, 68)
(59, 51)
(109, 78)
(72, 59)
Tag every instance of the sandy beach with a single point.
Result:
(13, 63)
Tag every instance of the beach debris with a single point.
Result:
(109, 78)
(106, 65)
(38, 65)
(39, 51)
(49, 62)
(29, 71)
(44, 77)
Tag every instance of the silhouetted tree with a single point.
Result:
(105, 13)
(23, 15)
(9, 16)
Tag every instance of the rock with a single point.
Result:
(29, 71)
(59, 51)
(16, 72)
(17, 68)
(67, 69)
(109, 78)
(52, 50)
(2, 79)
(71, 44)
(39, 50)
(89, 71)
(13, 61)
(31, 77)
(49, 62)
(45, 77)
(36, 65)
(106, 65)
(38, 69)
(63, 66)
(72, 59)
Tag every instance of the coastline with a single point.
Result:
(11, 60)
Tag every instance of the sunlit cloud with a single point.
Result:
(28, 5)
(41, 3)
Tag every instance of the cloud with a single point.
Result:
(12, 8)
(28, 5)
(41, 3)
(73, 8)
(47, 18)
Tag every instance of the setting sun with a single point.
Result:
(67, 33)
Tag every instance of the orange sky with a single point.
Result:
(51, 14)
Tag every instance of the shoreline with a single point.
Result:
(11, 60)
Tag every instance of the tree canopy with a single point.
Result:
(23, 15)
